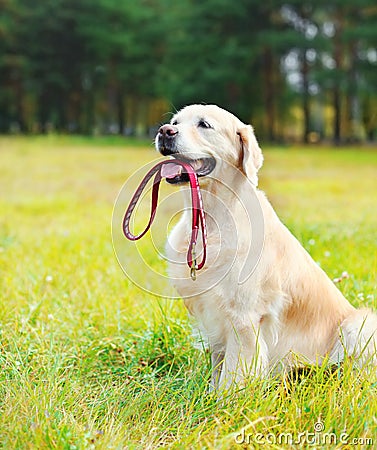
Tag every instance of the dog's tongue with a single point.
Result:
(171, 170)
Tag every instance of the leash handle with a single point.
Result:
(135, 198)
(198, 218)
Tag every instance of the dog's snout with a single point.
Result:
(166, 139)
(168, 130)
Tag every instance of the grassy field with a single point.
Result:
(90, 361)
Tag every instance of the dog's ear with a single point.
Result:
(251, 158)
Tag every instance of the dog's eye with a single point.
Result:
(203, 124)
(174, 122)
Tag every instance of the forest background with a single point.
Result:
(297, 70)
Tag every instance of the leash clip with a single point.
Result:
(193, 263)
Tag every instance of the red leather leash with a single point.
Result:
(198, 218)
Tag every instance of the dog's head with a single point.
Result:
(207, 136)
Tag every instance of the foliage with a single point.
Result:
(115, 67)
(90, 361)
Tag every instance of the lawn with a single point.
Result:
(88, 360)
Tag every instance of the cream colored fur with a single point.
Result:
(287, 310)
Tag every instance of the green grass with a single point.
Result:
(90, 361)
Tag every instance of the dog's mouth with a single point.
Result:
(174, 173)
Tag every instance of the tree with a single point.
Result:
(12, 65)
(217, 53)
(105, 65)
(348, 33)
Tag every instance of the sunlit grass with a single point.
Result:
(87, 359)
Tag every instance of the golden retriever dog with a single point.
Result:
(261, 301)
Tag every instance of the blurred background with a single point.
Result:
(298, 71)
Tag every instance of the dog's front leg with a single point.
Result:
(246, 355)
(217, 359)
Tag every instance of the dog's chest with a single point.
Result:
(222, 260)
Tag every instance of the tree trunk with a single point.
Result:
(338, 53)
(20, 107)
(305, 96)
(89, 112)
(353, 108)
(61, 105)
(269, 93)
(337, 115)
(43, 111)
(120, 110)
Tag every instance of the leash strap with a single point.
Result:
(198, 217)
(135, 198)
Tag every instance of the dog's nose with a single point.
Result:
(168, 130)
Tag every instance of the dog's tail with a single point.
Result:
(357, 339)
